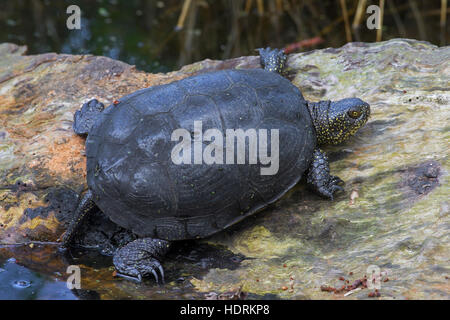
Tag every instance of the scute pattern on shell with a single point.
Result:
(136, 184)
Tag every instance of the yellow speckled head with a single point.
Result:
(272, 60)
(336, 121)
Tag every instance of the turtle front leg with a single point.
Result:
(272, 59)
(139, 258)
(319, 178)
(84, 119)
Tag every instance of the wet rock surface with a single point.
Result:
(392, 215)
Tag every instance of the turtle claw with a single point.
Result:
(335, 180)
(336, 184)
(155, 275)
(146, 267)
(154, 266)
(137, 278)
(334, 188)
(138, 258)
(161, 270)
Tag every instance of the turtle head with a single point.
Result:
(336, 121)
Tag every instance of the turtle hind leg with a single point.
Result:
(84, 208)
(84, 119)
(319, 178)
(140, 258)
(272, 59)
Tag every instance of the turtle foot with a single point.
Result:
(139, 259)
(149, 266)
(319, 178)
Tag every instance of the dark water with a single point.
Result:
(40, 271)
(18, 282)
(143, 32)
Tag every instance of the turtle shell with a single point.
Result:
(136, 183)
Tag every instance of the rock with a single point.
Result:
(397, 165)
(42, 163)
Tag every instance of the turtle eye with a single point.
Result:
(354, 114)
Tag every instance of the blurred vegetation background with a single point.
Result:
(160, 36)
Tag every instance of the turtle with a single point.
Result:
(140, 177)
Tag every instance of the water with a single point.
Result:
(143, 33)
(41, 271)
(21, 283)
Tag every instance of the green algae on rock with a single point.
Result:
(397, 166)
(394, 213)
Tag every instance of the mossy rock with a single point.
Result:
(394, 213)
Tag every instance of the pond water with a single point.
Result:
(18, 282)
(41, 271)
(144, 33)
